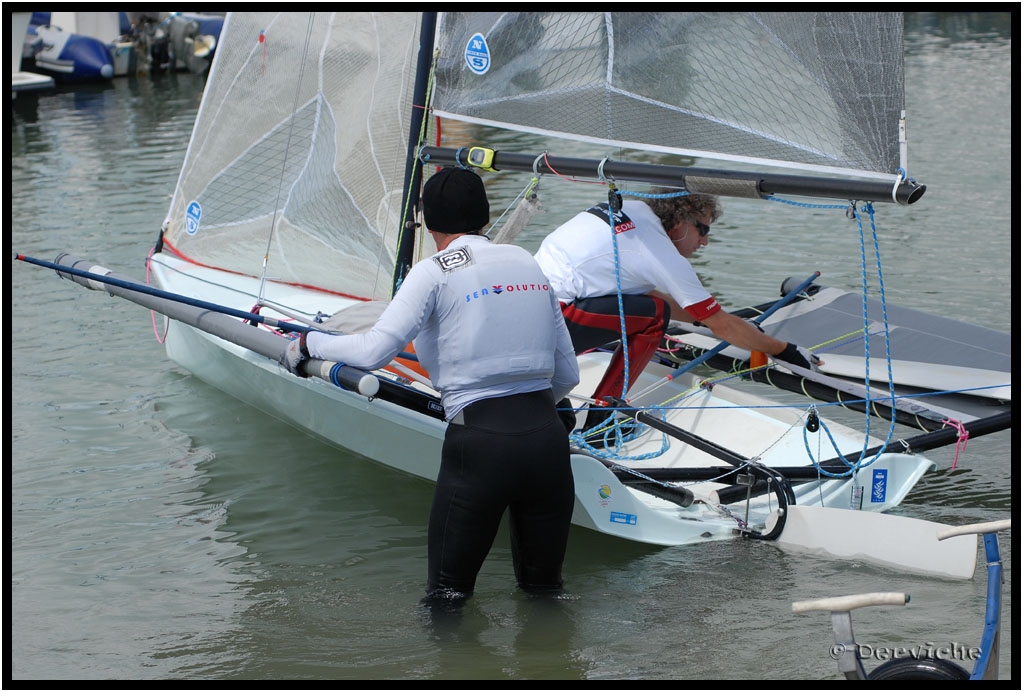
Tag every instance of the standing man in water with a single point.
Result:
(489, 331)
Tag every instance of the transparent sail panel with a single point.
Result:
(806, 90)
(298, 152)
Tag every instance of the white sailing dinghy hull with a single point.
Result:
(409, 441)
(823, 531)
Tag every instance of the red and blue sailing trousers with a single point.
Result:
(594, 322)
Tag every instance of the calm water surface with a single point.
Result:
(160, 529)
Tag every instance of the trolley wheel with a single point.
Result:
(920, 669)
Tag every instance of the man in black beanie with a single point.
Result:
(489, 331)
(454, 202)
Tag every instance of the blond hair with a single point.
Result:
(678, 208)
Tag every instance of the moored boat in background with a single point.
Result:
(79, 47)
(24, 80)
(55, 46)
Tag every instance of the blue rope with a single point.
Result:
(614, 437)
(579, 439)
(805, 205)
(860, 463)
(609, 421)
(869, 209)
(618, 294)
(885, 320)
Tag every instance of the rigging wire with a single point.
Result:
(287, 147)
(526, 204)
(411, 197)
(811, 412)
(860, 463)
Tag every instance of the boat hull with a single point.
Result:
(367, 427)
(25, 47)
(410, 441)
(70, 57)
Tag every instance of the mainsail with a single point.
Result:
(296, 169)
(687, 83)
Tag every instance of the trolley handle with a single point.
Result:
(979, 528)
(851, 602)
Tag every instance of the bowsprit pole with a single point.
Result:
(210, 318)
(97, 276)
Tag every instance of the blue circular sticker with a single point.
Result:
(192, 216)
(478, 57)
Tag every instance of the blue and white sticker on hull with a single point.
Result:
(478, 56)
(192, 216)
(623, 518)
(879, 480)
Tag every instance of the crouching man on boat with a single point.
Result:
(649, 261)
(490, 333)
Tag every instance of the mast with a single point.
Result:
(413, 166)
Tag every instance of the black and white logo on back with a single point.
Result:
(453, 259)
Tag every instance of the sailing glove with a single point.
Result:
(798, 356)
(294, 355)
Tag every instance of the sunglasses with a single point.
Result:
(702, 228)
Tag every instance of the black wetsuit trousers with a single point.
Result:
(510, 453)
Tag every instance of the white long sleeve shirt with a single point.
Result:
(482, 319)
(578, 259)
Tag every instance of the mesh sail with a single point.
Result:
(815, 91)
(298, 154)
(299, 149)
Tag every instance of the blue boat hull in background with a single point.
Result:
(69, 57)
(132, 44)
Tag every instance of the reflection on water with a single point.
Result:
(534, 639)
(978, 27)
(114, 547)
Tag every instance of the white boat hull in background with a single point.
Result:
(22, 80)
